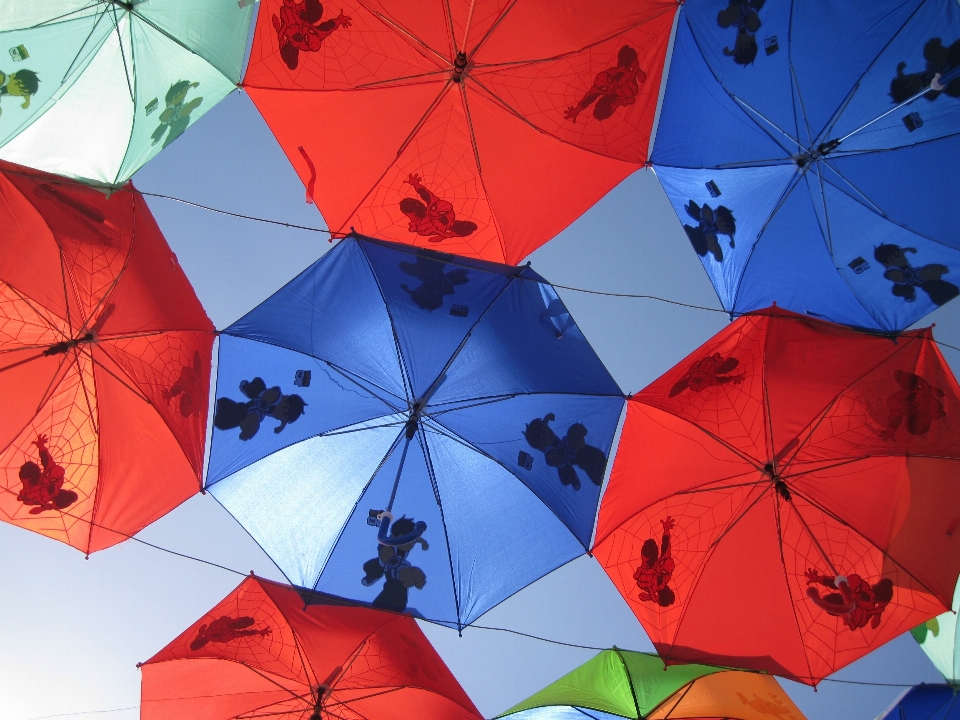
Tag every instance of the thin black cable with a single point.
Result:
(86, 712)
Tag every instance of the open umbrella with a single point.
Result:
(104, 363)
(809, 152)
(261, 653)
(484, 126)
(95, 88)
(622, 684)
(784, 498)
(938, 638)
(400, 426)
(925, 702)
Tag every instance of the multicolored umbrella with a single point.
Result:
(403, 427)
(925, 702)
(809, 152)
(261, 653)
(484, 126)
(95, 88)
(784, 498)
(104, 363)
(622, 684)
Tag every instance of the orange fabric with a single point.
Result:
(104, 363)
(372, 663)
(728, 695)
(551, 108)
(720, 566)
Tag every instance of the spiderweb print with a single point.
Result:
(24, 324)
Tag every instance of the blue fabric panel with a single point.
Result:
(749, 194)
(332, 311)
(562, 712)
(926, 702)
(517, 348)
(434, 300)
(295, 503)
(501, 536)
(331, 399)
(700, 125)
(543, 451)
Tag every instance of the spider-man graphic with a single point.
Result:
(916, 405)
(774, 708)
(711, 370)
(187, 387)
(225, 629)
(419, 662)
(613, 88)
(297, 29)
(433, 218)
(856, 601)
(657, 568)
(44, 488)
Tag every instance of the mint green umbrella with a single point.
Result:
(93, 89)
(938, 638)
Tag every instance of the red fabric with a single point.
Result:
(555, 107)
(103, 436)
(862, 431)
(261, 650)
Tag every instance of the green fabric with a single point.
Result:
(938, 638)
(620, 682)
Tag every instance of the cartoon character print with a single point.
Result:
(176, 116)
(187, 388)
(567, 454)
(435, 284)
(707, 372)
(930, 627)
(433, 218)
(940, 60)
(656, 568)
(744, 15)
(773, 708)
(22, 83)
(43, 488)
(297, 29)
(613, 88)
(391, 562)
(906, 278)
(916, 405)
(855, 600)
(710, 224)
(226, 629)
(263, 402)
(418, 662)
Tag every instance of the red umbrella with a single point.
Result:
(481, 125)
(785, 499)
(104, 363)
(261, 653)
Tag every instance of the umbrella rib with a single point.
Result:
(686, 689)
(799, 95)
(493, 26)
(452, 36)
(80, 50)
(54, 20)
(473, 138)
(747, 106)
(408, 35)
(392, 82)
(123, 55)
(20, 362)
(36, 311)
(120, 380)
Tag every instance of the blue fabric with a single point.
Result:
(504, 462)
(926, 702)
(865, 233)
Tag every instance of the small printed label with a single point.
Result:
(712, 188)
(770, 45)
(525, 460)
(152, 106)
(913, 121)
(19, 53)
(859, 265)
(460, 310)
(302, 378)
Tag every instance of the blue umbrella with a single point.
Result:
(926, 702)
(403, 427)
(810, 151)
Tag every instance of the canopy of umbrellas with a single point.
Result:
(415, 426)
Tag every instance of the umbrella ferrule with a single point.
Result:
(459, 66)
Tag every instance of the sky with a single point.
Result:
(73, 629)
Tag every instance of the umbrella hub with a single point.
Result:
(128, 5)
(68, 345)
(778, 484)
(817, 153)
(459, 66)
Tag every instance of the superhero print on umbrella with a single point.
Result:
(710, 224)
(418, 662)
(854, 600)
(297, 29)
(395, 544)
(186, 390)
(435, 284)
(744, 15)
(613, 88)
(657, 568)
(906, 278)
(227, 629)
(916, 405)
(708, 372)
(567, 454)
(263, 402)
(940, 60)
(22, 83)
(176, 116)
(774, 708)
(43, 487)
(433, 218)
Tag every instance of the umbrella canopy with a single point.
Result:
(95, 88)
(925, 702)
(485, 126)
(938, 638)
(783, 499)
(262, 653)
(809, 152)
(104, 363)
(622, 684)
(397, 422)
